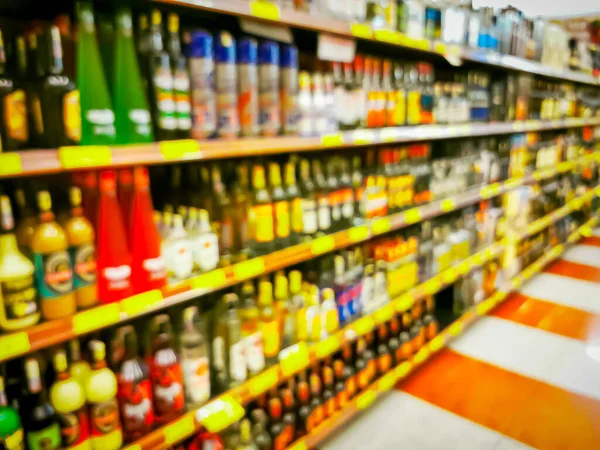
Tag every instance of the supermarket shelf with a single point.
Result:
(262, 11)
(36, 162)
(57, 331)
(387, 382)
(54, 332)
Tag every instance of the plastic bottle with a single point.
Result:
(290, 109)
(268, 75)
(247, 55)
(228, 124)
(202, 67)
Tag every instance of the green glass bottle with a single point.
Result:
(97, 116)
(132, 116)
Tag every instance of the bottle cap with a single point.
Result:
(108, 181)
(6, 214)
(268, 53)
(225, 48)
(247, 51)
(275, 408)
(173, 23)
(281, 287)
(265, 292)
(328, 294)
(202, 45)
(274, 174)
(258, 177)
(75, 196)
(230, 300)
(295, 281)
(98, 350)
(289, 56)
(60, 361)
(156, 17)
(140, 178)
(190, 315)
(304, 80)
(44, 201)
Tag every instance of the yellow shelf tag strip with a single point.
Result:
(332, 140)
(209, 280)
(301, 445)
(464, 267)
(265, 10)
(436, 343)
(322, 245)
(387, 382)
(96, 318)
(485, 306)
(249, 269)
(364, 400)
(358, 234)
(490, 191)
(14, 344)
(455, 329)
(328, 346)
(141, 302)
(294, 358)
(220, 413)
(432, 286)
(421, 355)
(363, 326)
(413, 216)
(10, 164)
(393, 37)
(179, 430)
(448, 205)
(77, 157)
(384, 314)
(263, 382)
(363, 137)
(360, 30)
(449, 276)
(404, 303)
(382, 225)
(181, 149)
(404, 369)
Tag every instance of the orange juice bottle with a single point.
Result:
(82, 250)
(53, 270)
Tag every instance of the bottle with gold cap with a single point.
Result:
(68, 399)
(19, 308)
(297, 306)
(269, 322)
(261, 215)
(82, 250)
(286, 312)
(251, 330)
(11, 432)
(53, 269)
(205, 243)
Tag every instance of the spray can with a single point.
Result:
(290, 109)
(202, 87)
(228, 124)
(268, 75)
(247, 56)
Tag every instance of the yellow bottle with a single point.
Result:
(82, 250)
(53, 270)
(17, 292)
(101, 392)
(268, 322)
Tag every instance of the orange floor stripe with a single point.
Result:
(592, 240)
(558, 319)
(575, 270)
(533, 412)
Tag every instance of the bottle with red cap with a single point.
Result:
(114, 259)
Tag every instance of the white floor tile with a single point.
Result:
(583, 254)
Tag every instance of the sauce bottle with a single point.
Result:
(228, 124)
(54, 273)
(134, 391)
(68, 399)
(165, 372)
(11, 432)
(194, 360)
(114, 259)
(17, 291)
(82, 250)
(147, 268)
(247, 54)
(101, 392)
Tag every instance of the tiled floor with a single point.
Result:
(527, 376)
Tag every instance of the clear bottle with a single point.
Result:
(251, 331)
(194, 360)
(329, 313)
(177, 252)
(319, 104)
(306, 123)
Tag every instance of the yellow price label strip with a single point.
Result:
(490, 191)
(413, 216)
(421, 44)
(14, 344)
(387, 382)
(299, 445)
(439, 47)
(436, 343)
(516, 282)
(586, 231)
(485, 306)
(404, 369)
(455, 329)
(360, 30)
(10, 164)
(332, 140)
(220, 413)
(363, 401)
(328, 346)
(358, 234)
(393, 37)
(448, 205)
(209, 280)
(322, 245)
(382, 225)
(421, 355)
(264, 381)
(432, 286)
(141, 302)
(363, 137)
(512, 183)
(179, 430)
(404, 303)
(294, 358)
(477, 259)
(249, 269)
(181, 149)
(449, 276)
(388, 135)
(77, 157)
(464, 267)
(384, 314)
(96, 318)
(265, 10)
(363, 326)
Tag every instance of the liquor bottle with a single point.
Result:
(262, 438)
(101, 392)
(68, 400)
(361, 90)
(413, 95)
(132, 115)
(246, 442)
(281, 208)
(269, 322)
(431, 326)
(335, 196)
(205, 244)
(367, 297)
(289, 416)
(286, 311)
(165, 372)
(194, 359)
(27, 223)
(316, 402)
(339, 388)
(400, 102)
(277, 429)
(262, 215)
(160, 82)
(329, 398)
(390, 94)
(346, 193)
(384, 357)
(314, 317)
(309, 201)
(349, 373)
(329, 313)
(125, 195)
(324, 209)
(227, 356)
(177, 252)
(181, 79)
(241, 199)
(11, 432)
(381, 294)
(54, 273)
(97, 119)
(223, 216)
(294, 199)
(298, 305)
(80, 369)
(43, 429)
(17, 290)
(114, 259)
(360, 365)
(134, 391)
(251, 331)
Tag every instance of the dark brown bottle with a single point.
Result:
(350, 379)
(384, 357)
(405, 349)
(289, 415)
(415, 337)
(341, 396)
(329, 398)
(277, 428)
(371, 362)
(281, 208)
(316, 401)
(360, 365)
(304, 424)
(422, 336)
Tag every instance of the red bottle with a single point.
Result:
(114, 259)
(147, 267)
(125, 196)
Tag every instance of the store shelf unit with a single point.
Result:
(226, 407)
(264, 11)
(37, 162)
(54, 332)
(387, 382)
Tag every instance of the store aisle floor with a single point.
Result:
(526, 376)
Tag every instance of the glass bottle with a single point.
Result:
(205, 244)
(281, 208)
(294, 199)
(177, 252)
(241, 199)
(194, 359)
(11, 432)
(251, 331)
(309, 201)
(222, 216)
(181, 79)
(323, 199)
(79, 368)
(269, 322)
(413, 95)
(262, 215)
(246, 442)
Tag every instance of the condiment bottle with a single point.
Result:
(54, 273)
(80, 369)
(17, 291)
(290, 109)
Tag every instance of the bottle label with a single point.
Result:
(237, 362)
(54, 274)
(74, 427)
(165, 100)
(179, 259)
(324, 214)
(263, 223)
(141, 121)
(154, 268)
(83, 258)
(135, 398)
(72, 115)
(309, 216)
(167, 383)
(45, 439)
(102, 121)
(15, 116)
(117, 278)
(104, 417)
(196, 379)
(14, 441)
(414, 108)
(183, 108)
(18, 297)
(206, 251)
(282, 219)
(255, 355)
(272, 338)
